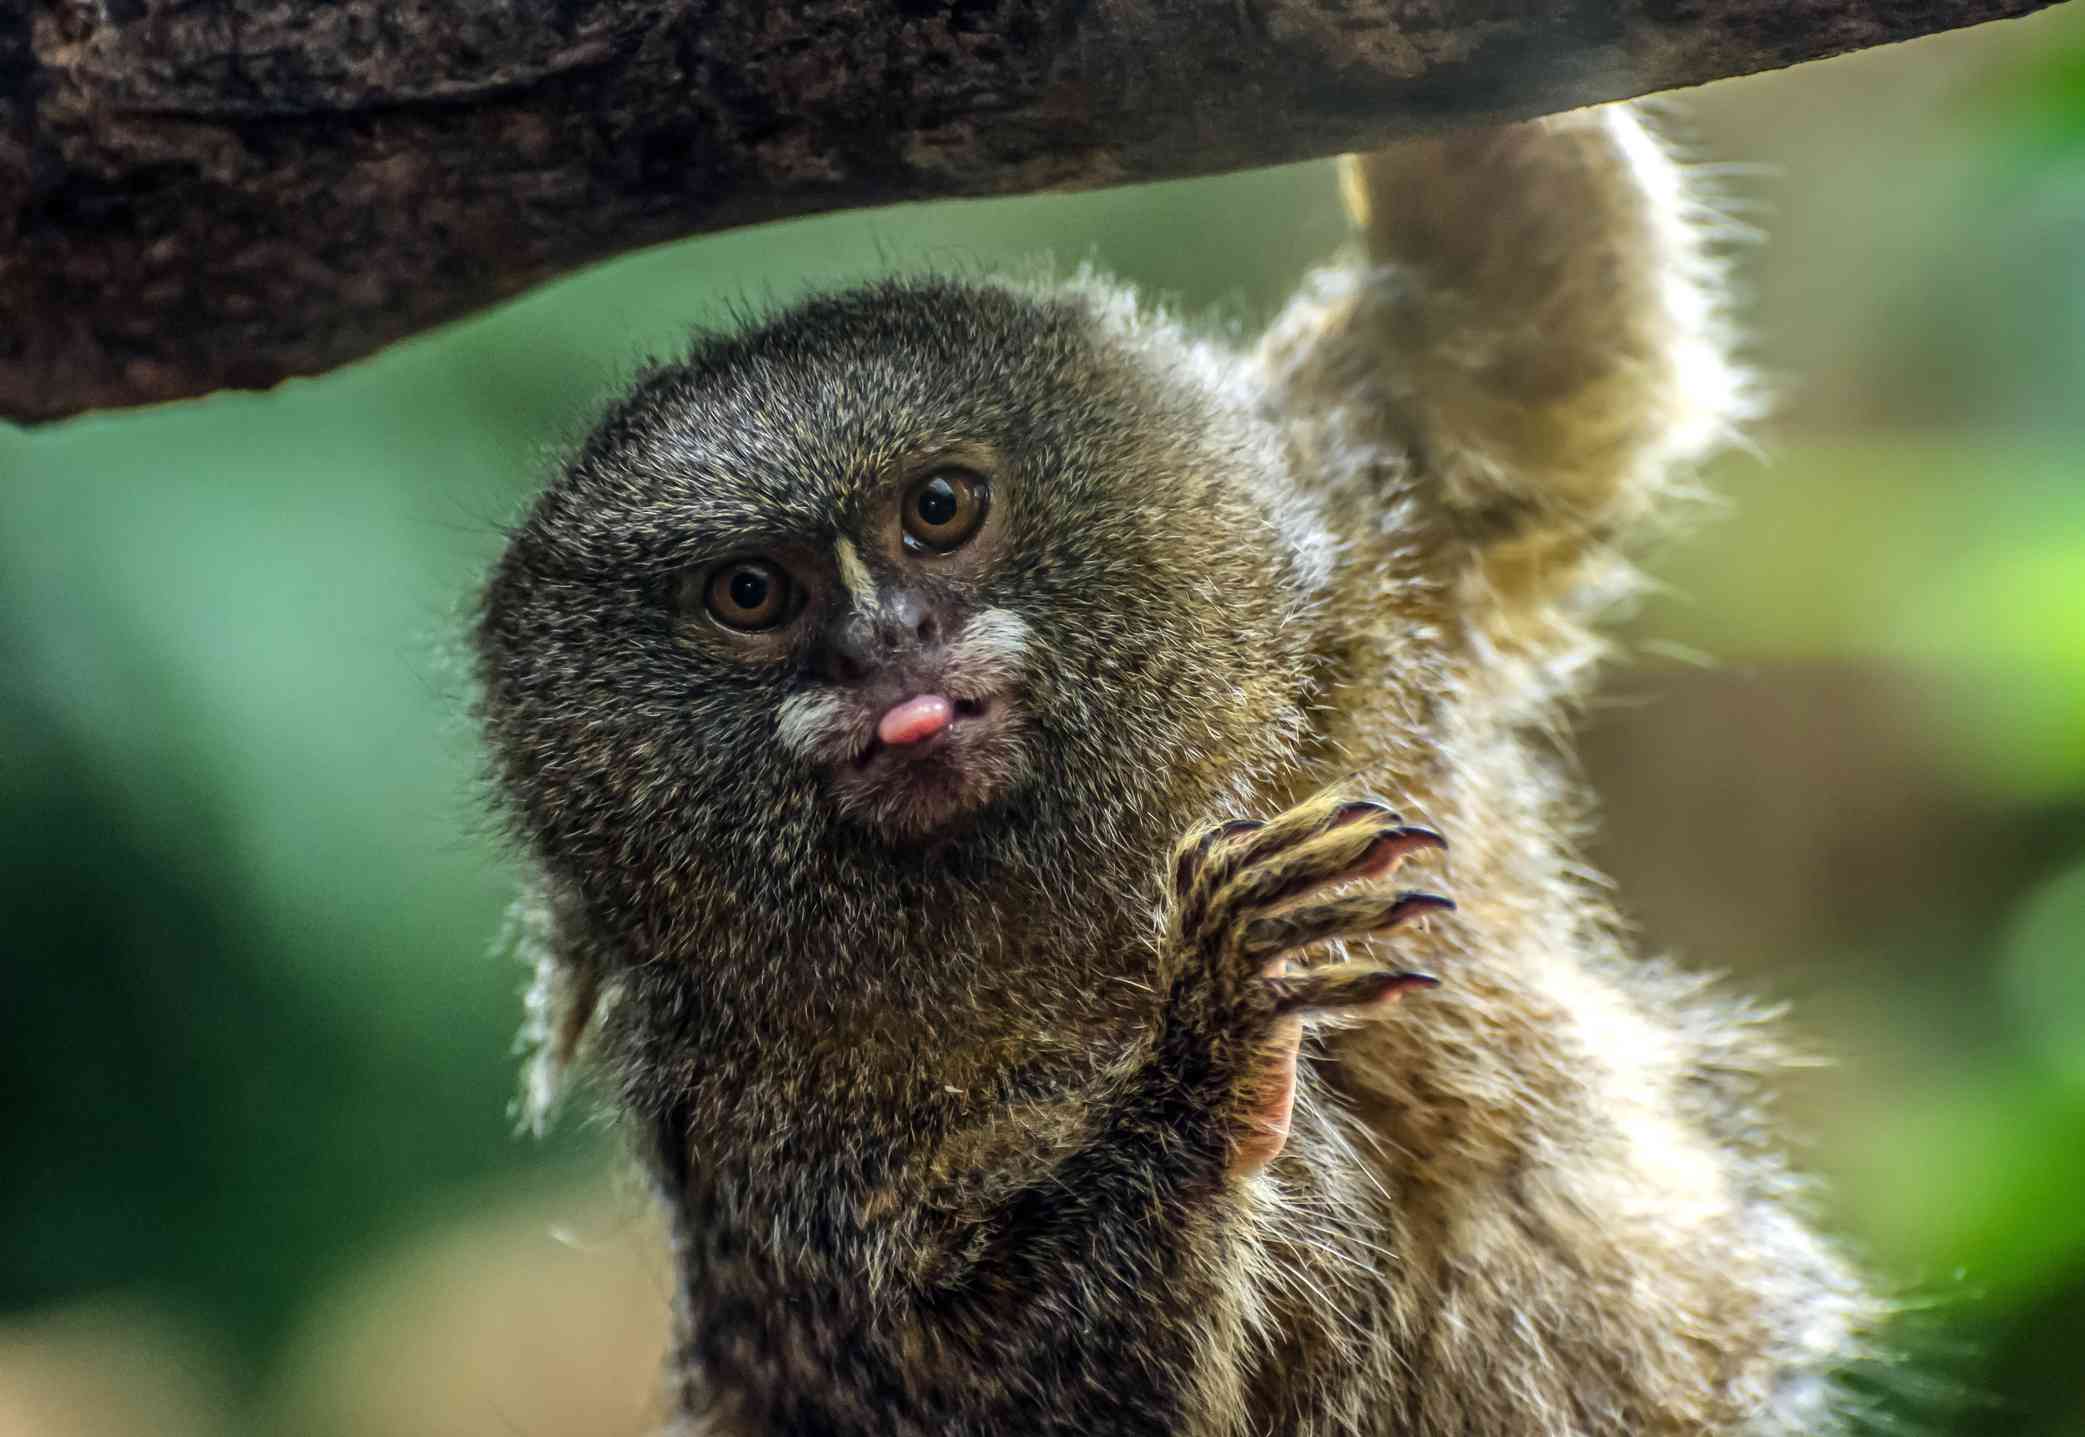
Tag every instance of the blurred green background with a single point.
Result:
(254, 1039)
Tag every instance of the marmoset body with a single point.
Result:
(962, 730)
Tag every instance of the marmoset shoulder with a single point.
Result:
(995, 763)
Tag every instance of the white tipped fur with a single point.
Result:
(820, 725)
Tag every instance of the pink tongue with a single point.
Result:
(915, 719)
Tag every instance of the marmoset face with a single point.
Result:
(922, 570)
(905, 681)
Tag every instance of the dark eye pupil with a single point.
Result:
(937, 503)
(749, 588)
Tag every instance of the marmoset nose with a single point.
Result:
(858, 644)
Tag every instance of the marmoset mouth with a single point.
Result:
(924, 736)
(932, 758)
(926, 732)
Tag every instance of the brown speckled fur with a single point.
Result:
(945, 1128)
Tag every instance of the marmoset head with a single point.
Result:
(929, 581)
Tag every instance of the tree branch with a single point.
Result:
(200, 194)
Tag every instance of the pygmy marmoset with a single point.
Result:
(960, 730)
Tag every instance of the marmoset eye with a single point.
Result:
(944, 511)
(746, 594)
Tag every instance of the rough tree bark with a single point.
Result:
(199, 194)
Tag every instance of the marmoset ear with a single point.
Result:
(565, 979)
(1552, 354)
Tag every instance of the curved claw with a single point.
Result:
(1330, 990)
(1332, 854)
(1310, 821)
(1349, 917)
(1395, 847)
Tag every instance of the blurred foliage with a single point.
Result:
(260, 1176)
